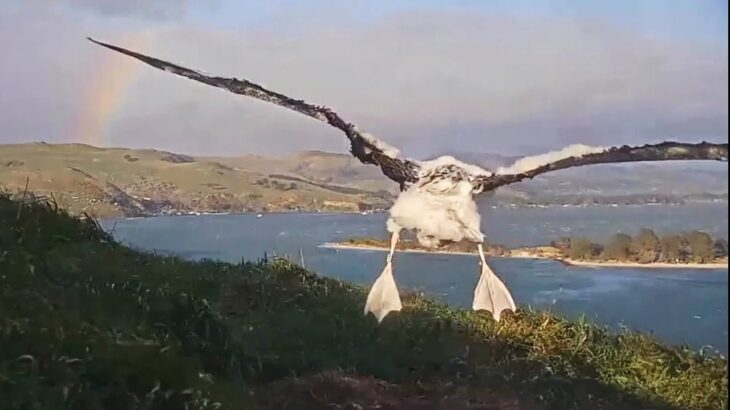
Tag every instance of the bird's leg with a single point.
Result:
(383, 297)
(491, 293)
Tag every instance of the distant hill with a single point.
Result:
(116, 181)
(670, 178)
(119, 181)
(674, 182)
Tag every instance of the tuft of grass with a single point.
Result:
(87, 323)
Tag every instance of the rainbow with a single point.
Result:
(104, 95)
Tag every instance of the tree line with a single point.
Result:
(647, 247)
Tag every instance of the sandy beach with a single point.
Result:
(525, 253)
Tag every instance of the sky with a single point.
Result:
(430, 77)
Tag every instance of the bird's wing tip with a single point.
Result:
(101, 43)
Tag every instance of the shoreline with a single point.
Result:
(351, 212)
(336, 245)
(653, 265)
(523, 254)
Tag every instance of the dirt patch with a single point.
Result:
(337, 390)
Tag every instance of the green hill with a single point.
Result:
(86, 323)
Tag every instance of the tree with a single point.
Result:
(562, 243)
(673, 248)
(721, 248)
(596, 250)
(618, 248)
(583, 248)
(497, 249)
(702, 247)
(646, 247)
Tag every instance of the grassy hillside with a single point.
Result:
(86, 323)
(323, 167)
(128, 182)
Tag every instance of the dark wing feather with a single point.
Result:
(399, 170)
(665, 151)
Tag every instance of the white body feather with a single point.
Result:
(536, 161)
(386, 148)
(441, 206)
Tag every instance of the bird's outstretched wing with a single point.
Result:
(362, 145)
(580, 155)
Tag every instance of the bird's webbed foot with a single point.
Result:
(384, 297)
(491, 293)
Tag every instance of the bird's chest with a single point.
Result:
(442, 194)
(440, 205)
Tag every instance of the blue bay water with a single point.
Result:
(679, 306)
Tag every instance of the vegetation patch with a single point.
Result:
(648, 247)
(409, 242)
(86, 323)
(177, 158)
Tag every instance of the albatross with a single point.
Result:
(437, 197)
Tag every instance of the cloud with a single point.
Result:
(140, 9)
(41, 79)
(154, 10)
(424, 81)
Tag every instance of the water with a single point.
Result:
(680, 306)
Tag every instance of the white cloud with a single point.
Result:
(154, 10)
(423, 81)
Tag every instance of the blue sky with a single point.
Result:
(430, 76)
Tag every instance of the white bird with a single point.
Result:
(437, 196)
